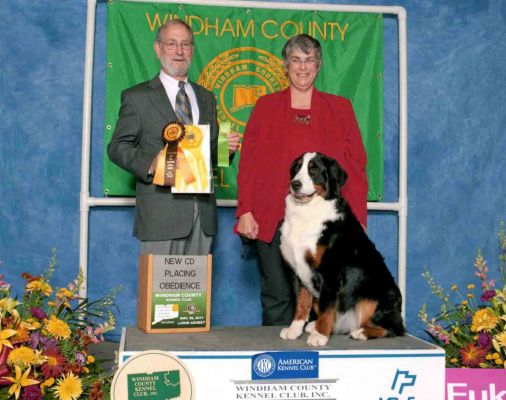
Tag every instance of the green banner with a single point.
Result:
(238, 57)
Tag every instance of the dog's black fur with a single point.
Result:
(349, 278)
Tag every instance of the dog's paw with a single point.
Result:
(358, 334)
(317, 339)
(310, 327)
(293, 331)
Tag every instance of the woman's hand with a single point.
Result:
(247, 226)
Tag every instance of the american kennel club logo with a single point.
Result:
(285, 365)
(239, 77)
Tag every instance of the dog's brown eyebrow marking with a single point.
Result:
(314, 260)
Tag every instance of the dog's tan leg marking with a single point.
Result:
(323, 328)
(304, 301)
(367, 329)
(366, 309)
(314, 260)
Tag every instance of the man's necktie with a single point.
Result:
(183, 108)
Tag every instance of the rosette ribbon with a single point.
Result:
(223, 156)
(171, 158)
(191, 147)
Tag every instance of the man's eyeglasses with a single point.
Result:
(310, 62)
(175, 45)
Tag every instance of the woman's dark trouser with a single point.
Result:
(278, 298)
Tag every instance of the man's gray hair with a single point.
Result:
(172, 22)
(304, 43)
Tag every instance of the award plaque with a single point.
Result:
(174, 293)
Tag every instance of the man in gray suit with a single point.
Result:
(166, 223)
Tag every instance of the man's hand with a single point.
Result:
(233, 142)
(247, 226)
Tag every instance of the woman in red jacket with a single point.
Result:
(282, 126)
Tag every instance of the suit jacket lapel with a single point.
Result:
(160, 101)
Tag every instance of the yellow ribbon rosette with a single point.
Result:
(191, 147)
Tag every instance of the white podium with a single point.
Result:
(231, 363)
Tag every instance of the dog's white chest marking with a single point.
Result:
(301, 229)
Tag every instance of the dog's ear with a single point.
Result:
(295, 167)
(337, 175)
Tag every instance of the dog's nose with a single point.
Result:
(296, 185)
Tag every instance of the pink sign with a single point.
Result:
(475, 384)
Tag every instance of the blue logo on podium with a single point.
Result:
(285, 365)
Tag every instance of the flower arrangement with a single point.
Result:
(472, 329)
(44, 340)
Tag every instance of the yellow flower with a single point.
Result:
(22, 357)
(463, 303)
(58, 328)
(470, 295)
(8, 304)
(90, 359)
(69, 387)
(4, 335)
(498, 361)
(470, 287)
(39, 286)
(484, 320)
(454, 288)
(20, 381)
(30, 325)
(47, 383)
(501, 339)
(453, 360)
(64, 292)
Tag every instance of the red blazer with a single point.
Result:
(272, 140)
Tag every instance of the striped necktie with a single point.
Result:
(183, 108)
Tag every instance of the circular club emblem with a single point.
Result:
(153, 374)
(239, 77)
(264, 365)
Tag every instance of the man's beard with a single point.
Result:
(180, 70)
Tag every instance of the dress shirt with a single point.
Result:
(171, 87)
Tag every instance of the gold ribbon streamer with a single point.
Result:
(167, 164)
(191, 147)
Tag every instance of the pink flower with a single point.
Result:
(485, 341)
(38, 313)
(487, 295)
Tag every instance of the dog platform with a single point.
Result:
(231, 363)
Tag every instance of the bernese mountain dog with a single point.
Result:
(341, 275)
